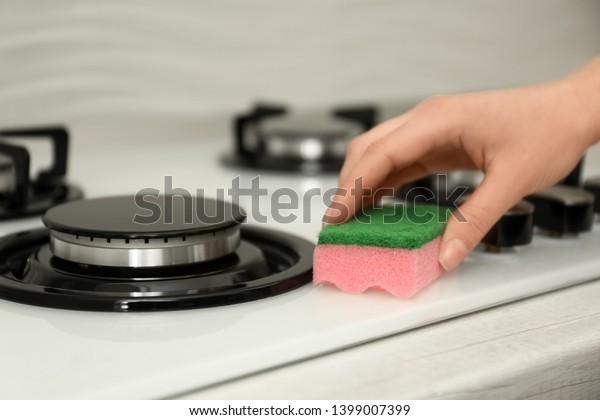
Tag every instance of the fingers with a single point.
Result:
(401, 148)
(358, 146)
(473, 219)
(388, 186)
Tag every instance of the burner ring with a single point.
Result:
(144, 252)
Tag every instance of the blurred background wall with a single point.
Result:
(67, 59)
(73, 60)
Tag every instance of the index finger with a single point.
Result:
(358, 145)
(399, 149)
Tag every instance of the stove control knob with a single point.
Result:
(563, 210)
(593, 185)
(514, 228)
(574, 177)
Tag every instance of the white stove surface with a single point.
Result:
(52, 353)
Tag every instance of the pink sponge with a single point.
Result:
(405, 262)
(355, 268)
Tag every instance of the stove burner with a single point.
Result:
(103, 231)
(260, 263)
(21, 196)
(266, 140)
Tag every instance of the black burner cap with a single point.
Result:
(143, 216)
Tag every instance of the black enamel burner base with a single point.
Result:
(267, 263)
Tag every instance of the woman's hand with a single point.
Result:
(522, 139)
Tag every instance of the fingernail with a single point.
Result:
(452, 254)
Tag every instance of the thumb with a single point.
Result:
(474, 218)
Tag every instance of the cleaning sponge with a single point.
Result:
(393, 248)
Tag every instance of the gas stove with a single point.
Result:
(52, 352)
